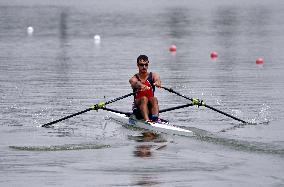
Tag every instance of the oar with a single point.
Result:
(94, 107)
(176, 107)
(161, 111)
(117, 111)
(201, 103)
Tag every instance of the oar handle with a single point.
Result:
(172, 91)
(174, 108)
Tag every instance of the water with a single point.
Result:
(59, 70)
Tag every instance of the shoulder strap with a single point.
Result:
(136, 75)
(150, 79)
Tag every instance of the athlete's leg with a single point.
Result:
(142, 104)
(154, 107)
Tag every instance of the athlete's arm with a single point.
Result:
(133, 82)
(157, 80)
(136, 84)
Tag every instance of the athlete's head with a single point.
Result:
(142, 58)
(142, 63)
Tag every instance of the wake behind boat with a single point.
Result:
(164, 126)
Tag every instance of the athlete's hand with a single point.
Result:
(158, 84)
(144, 87)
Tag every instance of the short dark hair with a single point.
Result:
(142, 57)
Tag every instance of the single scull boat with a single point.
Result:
(161, 127)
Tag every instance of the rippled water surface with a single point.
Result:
(60, 69)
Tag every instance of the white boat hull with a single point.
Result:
(163, 127)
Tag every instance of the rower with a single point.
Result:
(143, 84)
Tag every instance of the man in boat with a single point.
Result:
(144, 83)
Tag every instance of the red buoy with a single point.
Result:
(214, 55)
(259, 61)
(173, 48)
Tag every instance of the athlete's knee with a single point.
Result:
(144, 100)
(156, 100)
(153, 100)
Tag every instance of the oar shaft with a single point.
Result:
(98, 106)
(117, 111)
(225, 113)
(119, 98)
(172, 91)
(161, 111)
(174, 108)
(66, 117)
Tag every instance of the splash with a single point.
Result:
(263, 118)
(264, 115)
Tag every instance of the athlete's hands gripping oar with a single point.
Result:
(94, 107)
(201, 103)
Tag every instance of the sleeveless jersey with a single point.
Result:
(148, 93)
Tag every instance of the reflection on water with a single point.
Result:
(63, 58)
(178, 22)
(148, 137)
(148, 180)
(145, 150)
(63, 25)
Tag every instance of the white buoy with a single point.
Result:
(30, 30)
(97, 39)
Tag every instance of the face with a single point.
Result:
(143, 66)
